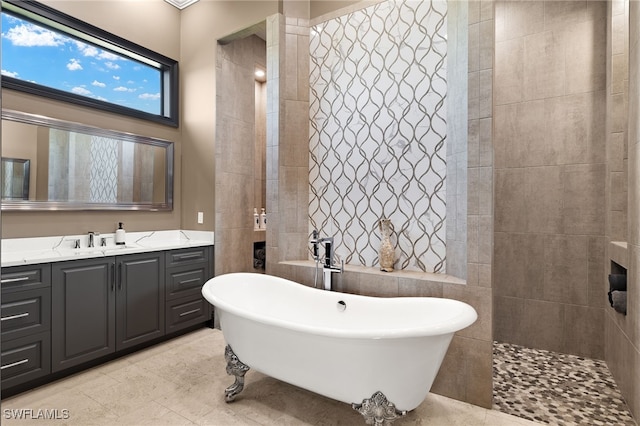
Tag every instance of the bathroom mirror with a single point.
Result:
(49, 164)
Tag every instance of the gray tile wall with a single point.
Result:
(287, 139)
(622, 333)
(260, 157)
(235, 152)
(550, 171)
(458, 153)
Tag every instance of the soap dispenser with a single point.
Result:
(120, 235)
(263, 219)
(256, 219)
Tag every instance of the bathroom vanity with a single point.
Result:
(64, 309)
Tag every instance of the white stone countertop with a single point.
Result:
(28, 251)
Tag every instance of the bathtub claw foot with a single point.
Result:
(378, 411)
(236, 368)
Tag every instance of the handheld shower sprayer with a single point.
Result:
(314, 241)
(328, 266)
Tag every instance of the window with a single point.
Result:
(48, 53)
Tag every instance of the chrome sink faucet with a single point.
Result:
(91, 235)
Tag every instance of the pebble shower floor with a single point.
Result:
(554, 388)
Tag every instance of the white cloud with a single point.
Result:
(98, 83)
(81, 91)
(112, 66)
(74, 65)
(115, 77)
(89, 51)
(124, 89)
(108, 56)
(150, 96)
(94, 52)
(30, 35)
(10, 73)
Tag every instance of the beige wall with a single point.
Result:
(152, 24)
(203, 23)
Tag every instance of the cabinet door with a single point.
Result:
(83, 311)
(140, 308)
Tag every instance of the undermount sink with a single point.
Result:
(87, 250)
(101, 250)
(116, 249)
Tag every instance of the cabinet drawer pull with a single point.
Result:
(13, 280)
(193, 311)
(11, 317)
(120, 276)
(189, 256)
(113, 276)
(15, 364)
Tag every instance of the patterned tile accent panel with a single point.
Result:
(378, 132)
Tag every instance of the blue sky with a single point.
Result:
(38, 55)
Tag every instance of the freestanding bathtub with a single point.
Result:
(379, 354)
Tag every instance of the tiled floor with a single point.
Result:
(555, 388)
(181, 382)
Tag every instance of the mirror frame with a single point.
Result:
(39, 120)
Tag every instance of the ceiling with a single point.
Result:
(181, 4)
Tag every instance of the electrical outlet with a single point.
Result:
(200, 217)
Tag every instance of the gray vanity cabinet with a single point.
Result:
(63, 314)
(104, 305)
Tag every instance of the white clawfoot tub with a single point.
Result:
(343, 346)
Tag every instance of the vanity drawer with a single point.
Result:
(185, 312)
(18, 278)
(25, 359)
(187, 256)
(185, 281)
(25, 312)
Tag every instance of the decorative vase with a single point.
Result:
(387, 252)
